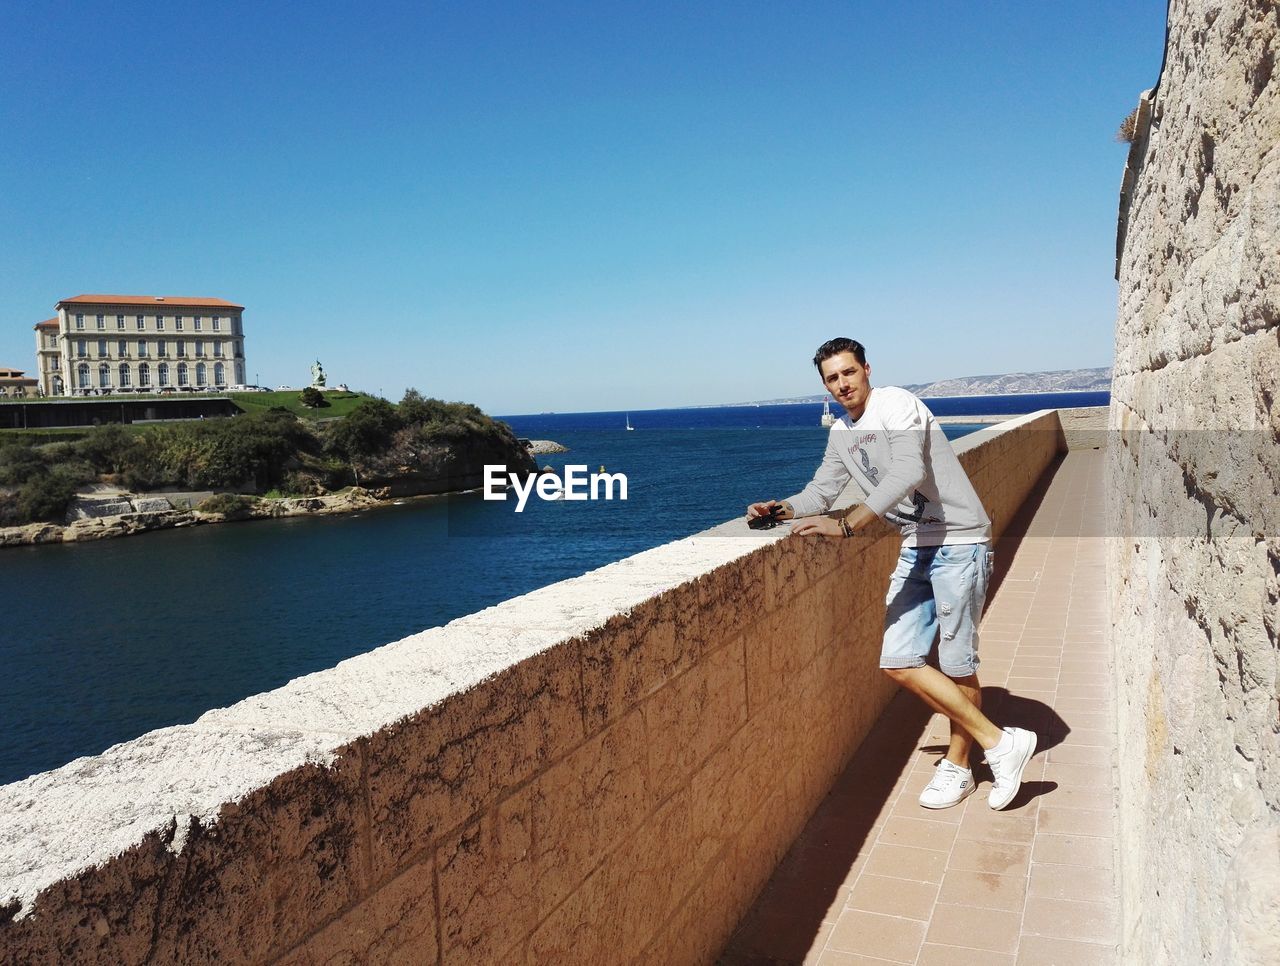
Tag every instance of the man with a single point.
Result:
(892, 445)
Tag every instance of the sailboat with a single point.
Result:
(827, 418)
(630, 428)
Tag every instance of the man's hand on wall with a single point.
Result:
(818, 527)
(765, 508)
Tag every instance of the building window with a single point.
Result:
(51, 341)
(239, 374)
(217, 349)
(199, 319)
(142, 348)
(124, 348)
(219, 375)
(159, 323)
(217, 324)
(104, 376)
(79, 321)
(200, 374)
(182, 349)
(138, 318)
(235, 324)
(57, 385)
(164, 373)
(124, 375)
(82, 374)
(82, 348)
(162, 348)
(182, 373)
(144, 374)
(119, 321)
(177, 322)
(55, 363)
(239, 349)
(199, 347)
(102, 321)
(102, 348)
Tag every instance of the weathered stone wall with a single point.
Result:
(606, 770)
(1194, 511)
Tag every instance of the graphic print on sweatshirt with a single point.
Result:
(909, 521)
(873, 472)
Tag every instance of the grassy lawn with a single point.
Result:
(340, 403)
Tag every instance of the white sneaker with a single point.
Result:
(951, 785)
(1006, 767)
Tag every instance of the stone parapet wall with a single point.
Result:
(1194, 497)
(604, 770)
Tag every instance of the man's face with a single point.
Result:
(848, 381)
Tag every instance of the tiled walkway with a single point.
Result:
(875, 878)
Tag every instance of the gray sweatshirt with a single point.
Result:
(905, 465)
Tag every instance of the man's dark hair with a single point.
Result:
(834, 347)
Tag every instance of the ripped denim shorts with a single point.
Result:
(937, 589)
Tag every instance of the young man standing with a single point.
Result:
(892, 445)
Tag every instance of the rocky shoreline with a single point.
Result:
(152, 512)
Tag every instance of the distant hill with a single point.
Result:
(1008, 384)
(1011, 383)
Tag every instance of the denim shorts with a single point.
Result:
(937, 589)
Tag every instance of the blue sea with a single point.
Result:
(170, 624)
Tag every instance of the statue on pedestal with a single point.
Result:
(317, 374)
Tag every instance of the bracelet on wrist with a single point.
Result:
(845, 528)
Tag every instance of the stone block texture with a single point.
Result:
(1194, 510)
(603, 771)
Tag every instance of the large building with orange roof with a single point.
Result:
(140, 343)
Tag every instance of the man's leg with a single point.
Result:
(961, 741)
(945, 695)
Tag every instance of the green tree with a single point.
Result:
(312, 398)
(366, 430)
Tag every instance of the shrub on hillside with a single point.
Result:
(108, 449)
(255, 450)
(47, 497)
(312, 398)
(365, 431)
(19, 462)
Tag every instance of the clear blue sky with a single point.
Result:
(579, 206)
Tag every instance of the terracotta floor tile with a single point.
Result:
(1075, 754)
(988, 825)
(975, 928)
(1001, 858)
(1078, 850)
(1069, 706)
(1042, 951)
(819, 943)
(1037, 660)
(908, 807)
(1071, 882)
(1069, 919)
(934, 954)
(1088, 737)
(918, 833)
(834, 957)
(1086, 776)
(893, 897)
(1087, 691)
(1085, 721)
(1087, 680)
(884, 937)
(903, 862)
(984, 889)
(1057, 820)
